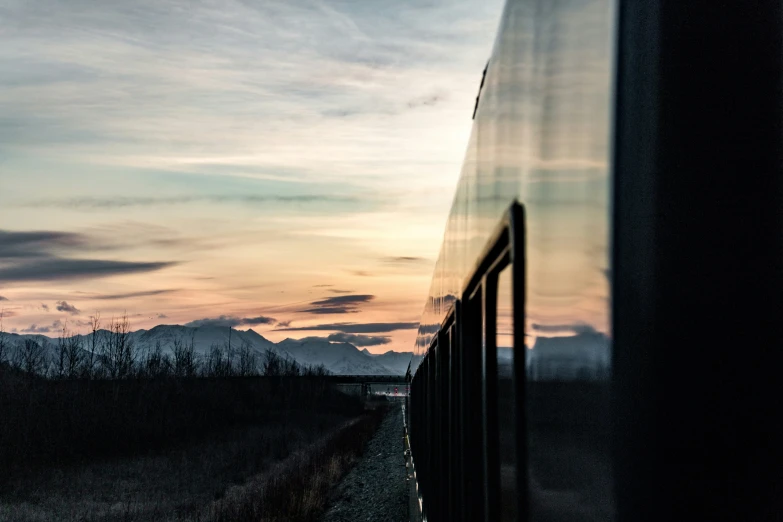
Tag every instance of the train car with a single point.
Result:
(602, 336)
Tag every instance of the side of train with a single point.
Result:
(622, 180)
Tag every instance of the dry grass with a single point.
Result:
(234, 448)
(297, 489)
(181, 484)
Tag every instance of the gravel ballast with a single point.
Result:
(375, 489)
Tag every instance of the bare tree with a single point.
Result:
(3, 340)
(318, 370)
(272, 363)
(90, 359)
(291, 368)
(117, 350)
(59, 368)
(218, 362)
(247, 360)
(29, 357)
(185, 364)
(74, 356)
(155, 364)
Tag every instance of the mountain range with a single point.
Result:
(337, 357)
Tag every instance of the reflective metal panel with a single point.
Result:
(541, 136)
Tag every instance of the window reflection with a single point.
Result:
(506, 397)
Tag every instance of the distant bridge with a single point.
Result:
(364, 378)
(364, 385)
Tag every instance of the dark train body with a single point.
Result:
(567, 374)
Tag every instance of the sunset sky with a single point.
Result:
(285, 166)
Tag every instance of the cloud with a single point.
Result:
(63, 306)
(428, 100)
(7, 313)
(405, 259)
(231, 321)
(342, 304)
(426, 329)
(3, 298)
(61, 269)
(35, 244)
(344, 300)
(336, 291)
(45, 307)
(321, 286)
(132, 294)
(354, 327)
(34, 328)
(284, 324)
(331, 310)
(358, 340)
(120, 202)
(576, 328)
(163, 316)
(36, 256)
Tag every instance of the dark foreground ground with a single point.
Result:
(187, 450)
(375, 489)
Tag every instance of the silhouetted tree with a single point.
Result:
(185, 363)
(3, 340)
(272, 363)
(155, 364)
(117, 350)
(247, 360)
(29, 357)
(92, 352)
(74, 356)
(219, 362)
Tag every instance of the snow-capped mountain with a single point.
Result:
(338, 358)
(203, 338)
(397, 361)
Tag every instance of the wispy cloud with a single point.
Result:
(39, 243)
(34, 328)
(574, 329)
(130, 295)
(232, 321)
(355, 328)
(343, 304)
(428, 100)
(162, 316)
(358, 340)
(44, 307)
(71, 269)
(344, 300)
(120, 202)
(3, 298)
(64, 306)
(402, 260)
(38, 256)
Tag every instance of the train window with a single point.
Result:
(506, 397)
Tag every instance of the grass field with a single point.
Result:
(234, 449)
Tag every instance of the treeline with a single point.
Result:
(113, 354)
(98, 396)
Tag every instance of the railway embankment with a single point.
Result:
(376, 488)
